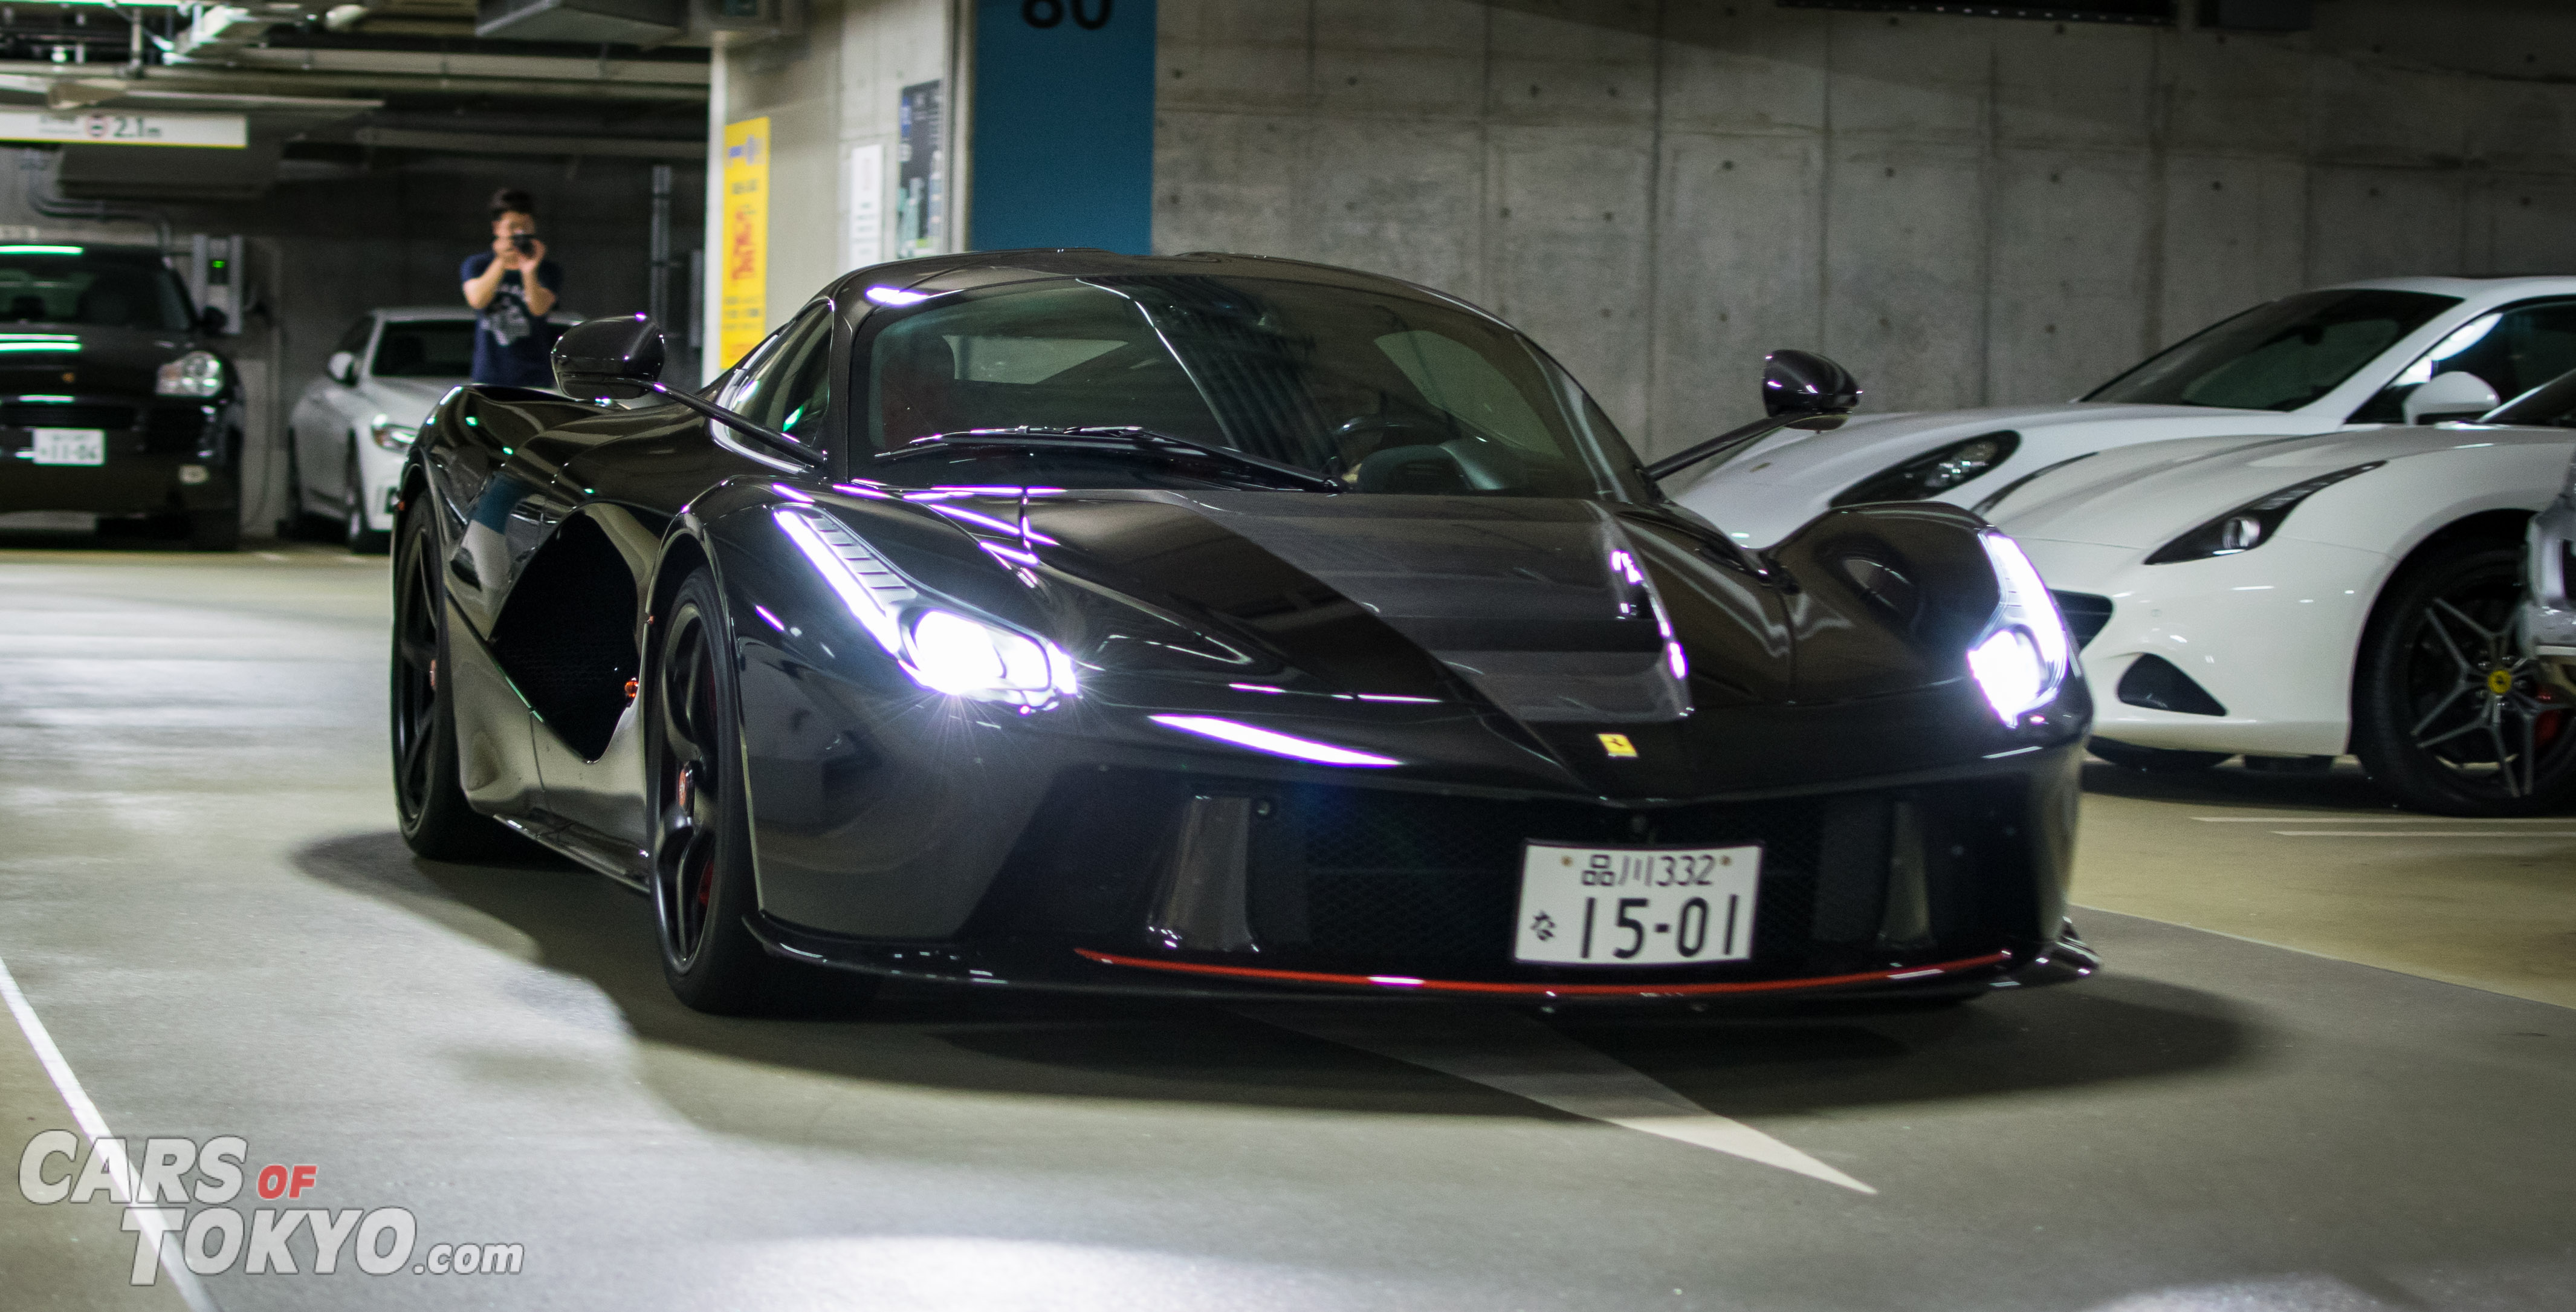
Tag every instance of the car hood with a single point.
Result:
(1759, 496)
(1571, 618)
(107, 361)
(2142, 497)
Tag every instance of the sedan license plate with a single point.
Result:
(1636, 906)
(70, 446)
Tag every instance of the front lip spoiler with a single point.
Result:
(1408, 984)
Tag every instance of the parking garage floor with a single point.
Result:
(2328, 1069)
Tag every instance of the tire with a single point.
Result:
(699, 813)
(2447, 715)
(354, 533)
(2153, 760)
(429, 797)
(214, 530)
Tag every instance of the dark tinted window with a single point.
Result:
(1384, 391)
(2551, 405)
(785, 383)
(425, 348)
(2513, 350)
(2278, 356)
(71, 285)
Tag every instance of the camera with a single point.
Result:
(523, 243)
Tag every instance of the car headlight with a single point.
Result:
(941, 649)
(2250, 525)
(392, 436)
(198, 373)
(2025, 654)
(1934, 472)
(948, 652)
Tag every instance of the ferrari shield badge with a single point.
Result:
(1617, 745)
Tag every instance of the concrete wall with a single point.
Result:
(830, 87)
(1964, 211)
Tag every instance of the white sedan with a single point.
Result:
(2361, 355)
(2295, 598)
(349, 432)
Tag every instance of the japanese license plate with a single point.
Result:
(1636, 906)
(70, 446)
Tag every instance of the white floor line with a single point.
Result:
(85, 1114)
(2330, 818)
(1522, 1057)
(2427, 833)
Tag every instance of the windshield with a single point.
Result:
(425, 348)
(1376, 389)
(2550, 405)
(68, 285)
(2278, 356)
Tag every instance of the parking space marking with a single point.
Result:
(2426, 833)
(85, 1114)
(2329, 818)
(1518, 1055)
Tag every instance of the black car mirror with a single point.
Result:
(1805, 385)
(618, 357)
(1800, 389)
(212, 322)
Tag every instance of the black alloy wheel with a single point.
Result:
(360, 539)
(429, 796)
(2153, 760)
(2447, 714)
(701, 830)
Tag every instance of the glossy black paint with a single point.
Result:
(108, 384)
(900, 831)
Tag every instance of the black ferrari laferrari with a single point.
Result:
(1220, 625)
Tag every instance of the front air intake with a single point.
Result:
(2159, 685)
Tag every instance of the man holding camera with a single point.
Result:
(512, 287)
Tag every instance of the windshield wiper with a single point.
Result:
(1105, 438)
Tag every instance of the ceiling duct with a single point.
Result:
(616, 22)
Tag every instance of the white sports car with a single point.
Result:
(2294, 598)
(2361, 355)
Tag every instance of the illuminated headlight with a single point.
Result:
(392, 436)
(947, 652)
(2025, 654)
(942, 650)
(198, 373)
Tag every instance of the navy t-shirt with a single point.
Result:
(511, 345)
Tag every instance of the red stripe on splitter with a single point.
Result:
(1545, 990)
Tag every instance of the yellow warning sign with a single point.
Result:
(744, 317)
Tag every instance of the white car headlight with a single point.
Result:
(2025, 653)
(942, 650)
(392, 436)
(198, 373)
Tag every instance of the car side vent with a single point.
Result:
(566, 637)
(2159, 685)
(2085, 614)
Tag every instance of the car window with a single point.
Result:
(425, 348)
(1386, 392)
(785, 383)
(70, 285)
(2550, 405)
(354, 339)
(2280, 355)
(2513, 350)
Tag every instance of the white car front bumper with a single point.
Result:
(2269, 634)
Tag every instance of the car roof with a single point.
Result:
(948, 273)
(2494, 289)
